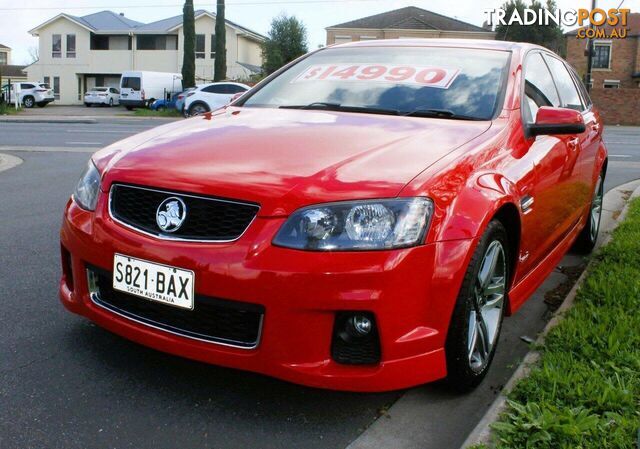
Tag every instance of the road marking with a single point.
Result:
(620, 155)
(84, 143)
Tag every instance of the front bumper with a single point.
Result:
(90, 100)
(133, 103)
(411, 293)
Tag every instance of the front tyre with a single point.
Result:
(587, 239)
(477, 317)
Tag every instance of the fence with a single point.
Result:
(618, 106)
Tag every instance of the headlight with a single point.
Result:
(357, 225)
(86, 193)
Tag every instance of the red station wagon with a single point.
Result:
(363, 219)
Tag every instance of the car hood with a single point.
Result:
(285, 159)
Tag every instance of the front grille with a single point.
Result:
(214, 320)
(207, 219)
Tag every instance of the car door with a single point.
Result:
(585, 151)
(548, 209)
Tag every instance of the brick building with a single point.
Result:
(616, 62)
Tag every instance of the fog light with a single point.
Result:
(355, 339)
(361, 324)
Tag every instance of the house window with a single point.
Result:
(611, 84)
(367, 38)
(56, 87)
(71, 45)
(47, 81)
(601, 56)
(56, 46)
(199, 46)
(3, 58)
(343, 39)
(156, 42)
(80, 88)
(213, 46)
(99, 42)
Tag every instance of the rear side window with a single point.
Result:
(233, 89)
(569, 96)
(539, 89)
(131, 83)
(27, 86)
(216, 89)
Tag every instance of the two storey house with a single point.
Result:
(78, 53)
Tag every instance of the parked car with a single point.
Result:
(182, 96)
(140, 89)
(102, 96)
(33, 94)
(209, 97)
(362, 221)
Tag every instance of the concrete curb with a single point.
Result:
(613, 215)
(47, 120)
(50, 149)
(8, 161)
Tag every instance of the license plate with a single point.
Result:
(153, 281)
(125, 95)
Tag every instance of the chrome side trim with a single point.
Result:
(95, 298)
(526, 202)
(173, 238)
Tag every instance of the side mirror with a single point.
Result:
(556, 121)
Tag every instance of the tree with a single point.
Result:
(549, 36)
(189, 55)
(286, 40)
(220, 66)
(34, 55)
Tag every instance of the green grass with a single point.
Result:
(585, 390)
(8, 109)
(150, 113)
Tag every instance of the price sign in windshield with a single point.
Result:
(427, 76)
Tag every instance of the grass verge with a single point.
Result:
(585, 390)
(8, 109)
(163, 113)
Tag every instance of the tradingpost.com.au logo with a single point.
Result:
(615, 18)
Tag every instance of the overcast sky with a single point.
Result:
(19, 16)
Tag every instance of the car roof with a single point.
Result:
(454, 43)
(200, 86)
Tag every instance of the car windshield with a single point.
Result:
(99, 89)
(44, 85)
(420, 81)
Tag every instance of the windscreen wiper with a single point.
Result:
(338, 107)
(438, 113)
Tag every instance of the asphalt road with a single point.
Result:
(69, 384)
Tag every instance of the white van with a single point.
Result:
(139, 89)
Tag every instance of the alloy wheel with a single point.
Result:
(198, 109)
(485, 316)
(596, 210)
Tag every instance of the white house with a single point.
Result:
(77, 53)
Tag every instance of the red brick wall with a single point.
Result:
(618, 106)
(625, 60)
